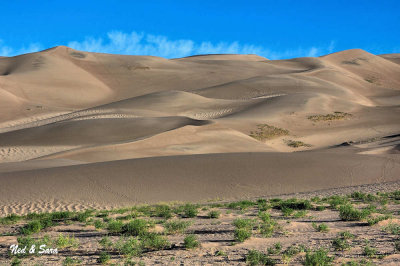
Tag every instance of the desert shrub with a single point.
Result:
(323, 228)
(83, 216)
(374, 220)
(16, 261)
(115, 226)
(176, 226)
(287, 211)
(265, 132)
(392, 228)
(163, 211)
(349, 213)
(320, 208)
(255, 257)
(290, 252)
(32, 227)
(397, 245)
(318, 258)
(130, 247)
(29, 241)
(329, 117)
(63, 241)
(276, 249)
(335, 201)
(10, 219)
(154, 241)
(104, 258)
(191, 242)
(340, 243)
(241, 234)
(268, 228)
(241, 205)
(106, 242)
(220, 253)
(213, 214)
(296, 143)
(98, 224)
(369, 251)
(300, 214)
(294, 204)
(136, 227)
(190, 210)
(61, 216)
(70, 261)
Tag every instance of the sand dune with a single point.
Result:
(91, 129)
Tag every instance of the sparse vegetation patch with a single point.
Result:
(265, 132)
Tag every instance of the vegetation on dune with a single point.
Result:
(265, 132)
(329, 117)
(296, 143)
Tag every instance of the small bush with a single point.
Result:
(154, 241)
(129, 247)
(369, 251)
(191, 242)
(340, 243)
(10, 219)
(296, 143)
(318, 258)
(323, 228)
(83, 216)
(349, 213)
(242, 234)
(265, 132)
(190, 211)
(213, 214)
(329, 117)
(115, 226)
(176, 226)
(276, 249)
(66, 241)
(136, 227)
(394, 229)
(163, 211)
(70, 261)
(294, 204)
(241, 205)
(255, 257)
(32, 227)
(98, 224)
(104, 258)
(374, 220)
(320, 208)
(106, 243)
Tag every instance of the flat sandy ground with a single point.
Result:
(293, 236)
(86, 130)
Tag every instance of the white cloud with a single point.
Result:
(139, 43)
(9, 51)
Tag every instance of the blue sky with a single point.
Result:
(274, 29)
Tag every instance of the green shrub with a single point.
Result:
(369, 251)
(287, 211)
(294, 204)
(176, 226)
(190, 211)
(154, 241)
(106, 243)
(136, 227)
(83, 216)
(191, 242)
(374, 220)
(255, 257)
(323, 228)
(241, 234)
(163, 211)
(340, 243)
(98, 224)
(394, 229)
(130, 247)
(335, 201)
(32, 227)
(10, 219)
(115, 226)
(213, 214)
(66, 241)
(318, 258)
(349, 213)
(104, 258)
(70, 261)
(61, 216)
(241, 205)
(276, 249)
(320, 208)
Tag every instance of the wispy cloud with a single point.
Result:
(10, 51)
(139, 43)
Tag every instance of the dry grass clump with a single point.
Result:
(296, 143)
(265, 132)
(329, 117)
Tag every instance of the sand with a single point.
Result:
(80, 130)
